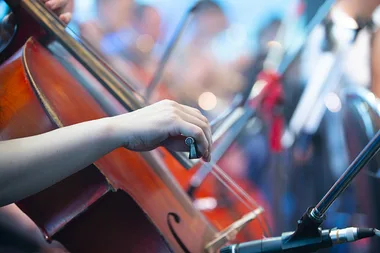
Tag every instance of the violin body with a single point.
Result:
(148, 213)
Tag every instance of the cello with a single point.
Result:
(85, 212)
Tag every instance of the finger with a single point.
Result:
(199, 115)
(195, 113)
(190, 130)
(65, 17)
(203, 125)
(196, 119)
(56, 4)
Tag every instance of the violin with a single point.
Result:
(125, 200)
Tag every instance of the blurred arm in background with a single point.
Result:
(375, 64)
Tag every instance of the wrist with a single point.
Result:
(118, 130)
(110, 132)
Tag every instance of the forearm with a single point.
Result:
(29, 165)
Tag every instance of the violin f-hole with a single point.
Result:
(177, 220)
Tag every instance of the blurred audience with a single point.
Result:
(126, 34)
(146, 27)
(194, 69)
(137, 56)
(113, 16)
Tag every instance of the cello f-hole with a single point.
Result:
(177, 220)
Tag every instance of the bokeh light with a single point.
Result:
(207, 101)
(333, 102)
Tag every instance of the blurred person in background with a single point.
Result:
(266, 40)
(133, 53)
(195, 70)
(358, 68)
(362, 70)
(113, 18)
(345, 17)
(127, 40)
(146, 27)
(110, 31)
(328, 144)
(255, 139)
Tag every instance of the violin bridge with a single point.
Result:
(231, 231)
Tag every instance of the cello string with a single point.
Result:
(249, 203)
(221, 177)
(238, 190)
(246, 204)
(238, 187)
(261, 218)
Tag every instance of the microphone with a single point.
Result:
(280, 244)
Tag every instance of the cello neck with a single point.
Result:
(88, 58)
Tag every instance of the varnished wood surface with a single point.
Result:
(58, 94)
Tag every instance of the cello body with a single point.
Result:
(148, 213)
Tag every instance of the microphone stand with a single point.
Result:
(318, 212)
(308, 236)
(309, 225)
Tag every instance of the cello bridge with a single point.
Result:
(231, 231)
